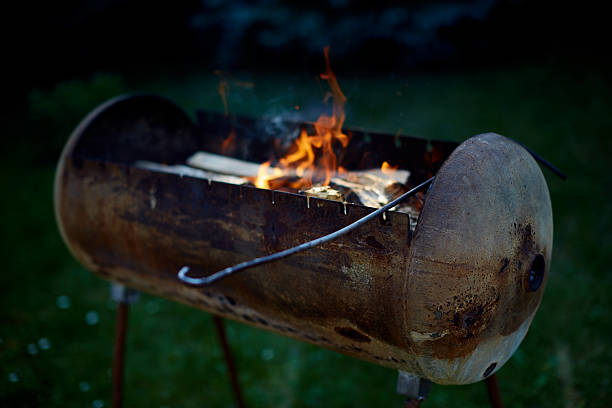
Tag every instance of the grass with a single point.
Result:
(173, 356)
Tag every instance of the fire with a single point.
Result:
(386, 168)
(303, 156)
(312, 157)
(265, 174)
(262, 179)
(229, 144)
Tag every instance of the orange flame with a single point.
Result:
(386, 168)
(262, 176)
(222, 89)
(313, 156)
(265, 174)
(303, 154)
(229, 143)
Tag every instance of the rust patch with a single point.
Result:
(468, 319)
(463, 319)
(527, 241)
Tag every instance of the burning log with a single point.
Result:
(366, 187)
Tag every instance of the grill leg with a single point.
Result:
(493, 390)
(124, 297)
(119, 354)
(229, 360)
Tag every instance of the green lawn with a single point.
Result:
(57, 321)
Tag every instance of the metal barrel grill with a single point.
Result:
(449, 302)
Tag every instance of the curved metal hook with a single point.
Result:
(182, 276)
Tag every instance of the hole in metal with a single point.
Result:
(489, 370)
(536, 273)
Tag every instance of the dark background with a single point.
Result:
(537, 71)
(54, 41)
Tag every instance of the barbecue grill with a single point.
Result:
(448, 300)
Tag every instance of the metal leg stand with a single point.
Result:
(416, 389)
(413, 387)
(229, 360)
(493, 390)
(124, 297)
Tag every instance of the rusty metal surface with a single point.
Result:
(138, 228)
(365, 295)
(486, 222)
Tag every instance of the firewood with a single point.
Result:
(242, 168)
(372, 187)
(225, 165)
(399, 175)
(325, 192)
(183, 170)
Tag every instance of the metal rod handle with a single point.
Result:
(207, 280)
(542, 160)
